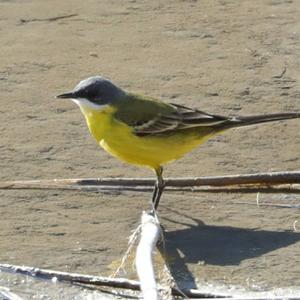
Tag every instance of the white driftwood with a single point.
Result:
(71, 277)
(90, 280)
(118, 282)
(144, 263)
(8, 295)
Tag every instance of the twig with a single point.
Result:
(72, 277)
(131, 242)
(52, 19)
(294, 225)
(8, 295)
(285, 188)
(281, 74)
(94, 280)
(257, 199)
(279, 205)
(268, 182)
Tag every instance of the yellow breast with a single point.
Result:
(151, 151)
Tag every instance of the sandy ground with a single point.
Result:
(220, 56)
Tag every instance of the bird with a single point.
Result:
(148, 132)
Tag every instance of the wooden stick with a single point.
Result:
(47, 19)
(8, 295)
(72, 277)
(288, 182)
(116, 282)
(256, 178)
(144, 263)
(283, 188)
(94, 280)
(279, 205)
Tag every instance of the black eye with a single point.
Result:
(92, 94)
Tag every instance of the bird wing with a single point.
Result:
(147, 116)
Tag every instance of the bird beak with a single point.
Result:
(66, 96)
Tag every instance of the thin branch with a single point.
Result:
(276, 182)
(286, 188)
(51, 19)
(132, 239)
(71, 277)
(278, 205)
(94, 280)
(8, 295)
(281, 74)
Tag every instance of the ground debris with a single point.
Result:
(51, 19)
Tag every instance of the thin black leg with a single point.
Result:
(154, 195)
(158, 188)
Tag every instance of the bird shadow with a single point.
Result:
(217, 245)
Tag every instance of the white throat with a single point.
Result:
(86, 104)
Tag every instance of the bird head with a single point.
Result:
(94, 92)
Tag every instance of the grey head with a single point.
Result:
(95, 90)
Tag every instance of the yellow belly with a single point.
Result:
(151, 151)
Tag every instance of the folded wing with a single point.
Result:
(150, 117)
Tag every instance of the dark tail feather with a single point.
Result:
(251, 120)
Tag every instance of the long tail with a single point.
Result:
(251, 120)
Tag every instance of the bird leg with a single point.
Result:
(158, 188)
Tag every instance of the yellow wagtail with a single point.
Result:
(147, 132)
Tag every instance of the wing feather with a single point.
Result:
(150, 117)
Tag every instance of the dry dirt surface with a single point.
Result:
(224, 57)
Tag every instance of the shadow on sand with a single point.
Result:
(218, 245)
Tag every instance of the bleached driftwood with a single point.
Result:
(117, 282)
(8, 295)
(276, 182)
(95, 280)
(150, 232)
(71, 277)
